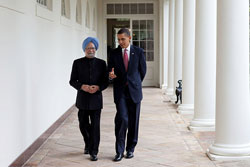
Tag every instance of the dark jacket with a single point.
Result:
(134, 76)
(90, 71)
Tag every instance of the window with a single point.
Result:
(143, 37)
(110, 9)
(46, 3)
(130, 8)
(87, 16)
(94, 20)
(42, 2)
(79, 12)
(118, 8)
(65, 8)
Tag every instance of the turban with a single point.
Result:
(88, 40)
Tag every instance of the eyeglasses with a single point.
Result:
(90, 48)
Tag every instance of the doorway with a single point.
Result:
(143, 36)
(113, 26)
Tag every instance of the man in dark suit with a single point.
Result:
(89, 77)
(127, 67)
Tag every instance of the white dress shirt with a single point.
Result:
(128, 51)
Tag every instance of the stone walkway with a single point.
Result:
(164, 140)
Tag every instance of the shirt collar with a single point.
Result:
(128, 48)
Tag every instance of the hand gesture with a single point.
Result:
(112, 74)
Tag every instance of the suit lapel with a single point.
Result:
(131, 57)
(120, 60)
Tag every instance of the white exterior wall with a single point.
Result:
(36, 57)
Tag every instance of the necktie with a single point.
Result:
(125, 59)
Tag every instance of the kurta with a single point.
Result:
(89, 71)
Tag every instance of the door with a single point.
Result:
(141, 17)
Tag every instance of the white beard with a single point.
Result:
(91, 55)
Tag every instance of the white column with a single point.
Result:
(170, 89)
(187, 106)
(205, 66)
(178, 43)
(164, 17)
(232, 139)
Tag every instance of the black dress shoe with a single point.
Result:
(129, 155)
(118, 157)
(93, 157)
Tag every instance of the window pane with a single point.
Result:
(135, 35)
(118, 8)
(136, 43)
(135, 24)
(145, 54)
(142, 8)
(150, 45)
(150, 24)
(110, 8)
(150, 56)
(133, 8)
(142, 24)
(150, 35)
(126, 8)
(142, 35)
(143, 45)
(149, 8)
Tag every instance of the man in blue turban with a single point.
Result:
(89, 77)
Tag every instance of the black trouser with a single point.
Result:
(90, 128)
(127, 118)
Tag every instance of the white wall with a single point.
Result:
(36, 55)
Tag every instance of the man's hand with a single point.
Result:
(85, 88)
(112, 74)
(93, 88)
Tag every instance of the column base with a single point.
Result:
(164, 87)
(227, 152)
(202, 125)
(185, 109)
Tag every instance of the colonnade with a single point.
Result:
(209, 50)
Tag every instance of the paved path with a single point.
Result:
(164, 140)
